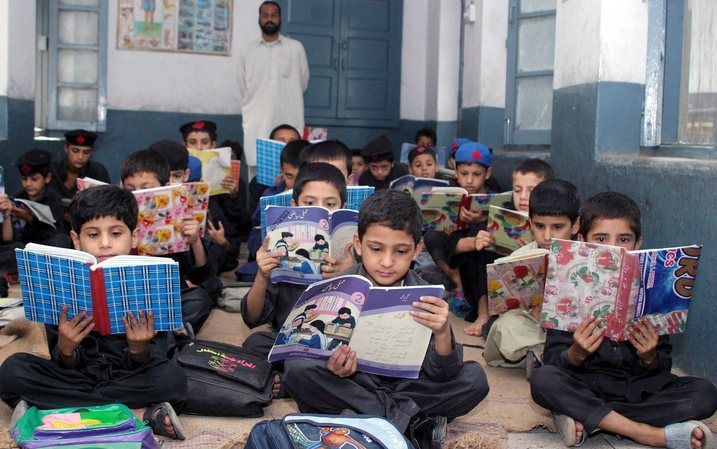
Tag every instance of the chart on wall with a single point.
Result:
(192, 26)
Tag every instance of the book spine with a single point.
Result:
(629, 270)
(100, 315)
(465, 203)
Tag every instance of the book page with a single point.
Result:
(388, 341)
(323, 318)
(42, 212)
(129, 261)
(216, 165)
(61, 252)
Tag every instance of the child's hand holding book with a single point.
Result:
(266, 260)
(71, 333)
(343, 361)
(435, 318)
(140, 331)
(484, 239)
(587, 338)
(467, 216)
(643, 336)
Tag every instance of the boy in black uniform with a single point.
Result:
(147, 169)
(79, 146)
(382, 169)
(34, 168)
(626, 388)
(87, 368)
(388, 240)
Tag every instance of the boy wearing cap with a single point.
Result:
(422, 162)
(382, 169)
(34, 167)
(199, 134)
(79, 145)
(473, 169)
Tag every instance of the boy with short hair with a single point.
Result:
(147, 169)
(625, 388)
(425, 137)
(358, 166)
(318, 184)
(389, 239)
(554, 209)
(382, 169)
(333, 152)
(199, 134)
(283, 133)
(422, 162)
(90, 369)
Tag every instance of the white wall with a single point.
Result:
(21, 49)
(4, 19)
(448, 61)
(623, 37)
(414, 68)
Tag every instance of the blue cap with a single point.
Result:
(457, 142)
(195, 169)
(474, 152)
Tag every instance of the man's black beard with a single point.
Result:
(270, 28)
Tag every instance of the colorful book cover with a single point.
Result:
(440, 207)
(510, 228)
(587, 279)
(216, 166)
(87, 182)
(442, 154)
(481, 202)
(416, 186)
(355, 196)
(315, 134)
(161, 210)
(197, 204)
(374, 321)
(516, 282)
(268, 160)
(303, 236)
(236, 174)
(51, 278)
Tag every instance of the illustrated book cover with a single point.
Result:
(517, 282)
(216, 166)
(510, 228)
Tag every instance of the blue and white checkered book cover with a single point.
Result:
(50, 281)
(355, 196)
(268, 159)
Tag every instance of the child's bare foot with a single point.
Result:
(276, 389)
(162, 420)
(696, 440)
(694, 433)
(579, 432)
(476, 328)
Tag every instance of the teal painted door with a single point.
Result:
(354, 53)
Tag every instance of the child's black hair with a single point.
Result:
(286, 234)
(145, 161)
(394, 209)
(303, 252)
(534, 165)
(318, 324)
(103, 201)
(610, 206)
(175, 153)
(320, 171)
(327, 150)
(283, 126)
(291, 151)
(426, 131)
(555, 198)
(278, 7)
(356, 152)
(236, 147)
(344, 310)
(310, 307)
(318, 237)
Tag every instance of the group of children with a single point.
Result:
(587, 381)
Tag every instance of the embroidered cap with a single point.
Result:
(474, 152)
(80, 138)
(199, 125)
(419, 150)
(34, 161)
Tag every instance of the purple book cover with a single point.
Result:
(374, 321)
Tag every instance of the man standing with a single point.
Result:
(273, 75)
(79, 145)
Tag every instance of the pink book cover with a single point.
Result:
(516, 284)
(235, 174)
(86, 183)
(197, 204)
(160, 220)
(585, 279)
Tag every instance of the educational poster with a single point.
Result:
(193, 26)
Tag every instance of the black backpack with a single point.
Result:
(224, 380)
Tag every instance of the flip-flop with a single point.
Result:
(678, 435)
(565, 426)
(20, 409)
(154, 418)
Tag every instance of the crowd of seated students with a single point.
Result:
(587, 381)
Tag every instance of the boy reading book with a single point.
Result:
(358, 166)
(333, 152)
(590, 382)
(282, 133)
(526, 175)
(87, 368)
(425, 137)
(422, 162)
(318, 184)
(388, 240)
(34, 167)
(554, 209)
(147, 169)
(382, 169)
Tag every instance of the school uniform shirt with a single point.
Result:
(273, 77)
(614, 371)
(279, 300)
(93, 170)
(36, 231)
(367, 179)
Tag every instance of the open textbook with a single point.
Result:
(588, 279)
(303, 236)
(510, 228)
(517, 282)
(41, 212)
(415, 186)
(216, 166)
(51, 278)
(374, 321)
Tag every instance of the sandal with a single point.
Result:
(677, 436)
(565, 426)
(154, 418)
(20, 409)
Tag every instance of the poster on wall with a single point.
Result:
(191, 26)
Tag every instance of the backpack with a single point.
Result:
(224, 380)
(103, 426)
(303, 430)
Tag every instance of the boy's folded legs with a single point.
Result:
(316, 389)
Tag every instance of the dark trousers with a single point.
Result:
(562, 391)
(318, 390)
(260, 342)
(47, 384)
(196, 306)
(437, 244)
(472, 269)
